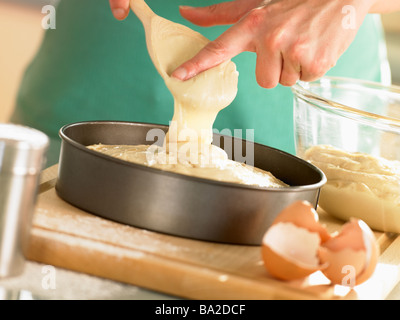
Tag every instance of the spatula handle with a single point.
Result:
(142, 10)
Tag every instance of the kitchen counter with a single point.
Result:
(185, 268)
(69, 285)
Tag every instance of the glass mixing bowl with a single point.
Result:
(350, 129)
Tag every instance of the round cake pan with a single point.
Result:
(173, 203)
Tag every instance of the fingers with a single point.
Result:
(235, 40)
(299, 61)
(291, 72)
(229, 44)
(119, 8)
(286, 51)
(317, 68)
(222, 13)
(268, 68)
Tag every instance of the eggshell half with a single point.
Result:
(290, 252)
(351, 256)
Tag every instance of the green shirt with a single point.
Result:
(93, 67)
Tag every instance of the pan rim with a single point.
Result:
(106, 157)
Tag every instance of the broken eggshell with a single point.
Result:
(296, 245)
(291, 245)
(351, 256)
(290, 252)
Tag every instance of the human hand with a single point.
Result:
(293, 39)
(119, 8)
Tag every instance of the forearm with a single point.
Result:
(385, 6)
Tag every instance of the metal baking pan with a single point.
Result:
(172, 203)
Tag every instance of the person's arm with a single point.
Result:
(385, 6)
(293, 39)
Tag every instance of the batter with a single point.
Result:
(187, 147)
(222, 170)
(359, 185)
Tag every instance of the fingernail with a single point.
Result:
(180, 74)
(119, 13)
(186, 7)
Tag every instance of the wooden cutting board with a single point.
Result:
(67, 237)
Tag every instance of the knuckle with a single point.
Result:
(254, 18)
(276, 38)
(297, 51)
(192, 65)
(318, 67)
(214, 8)
(217, 49)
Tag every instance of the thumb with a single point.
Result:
(218, 14)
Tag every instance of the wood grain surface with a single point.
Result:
(67, 237)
